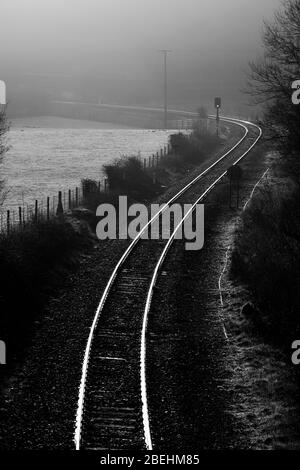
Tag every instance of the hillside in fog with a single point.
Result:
(108, 51)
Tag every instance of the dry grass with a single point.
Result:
(267, 257)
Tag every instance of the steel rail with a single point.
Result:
(81, 395)
(146, 421)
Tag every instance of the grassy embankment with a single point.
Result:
(37, 260)
(267, 256)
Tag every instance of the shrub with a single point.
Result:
(194, 148)
(127, 176)
(89, 186)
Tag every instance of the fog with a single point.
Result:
(108, 49)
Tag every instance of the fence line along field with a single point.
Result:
(65, 200)
(45, 157)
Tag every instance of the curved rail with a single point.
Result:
(80, 406)
(147, 430)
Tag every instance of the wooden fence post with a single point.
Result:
(36, 211)
(48, 208)
(8, 221)
(20, 216)
(60, 209)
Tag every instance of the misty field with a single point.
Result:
(44, 160)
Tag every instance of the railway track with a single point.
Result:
(112, 411)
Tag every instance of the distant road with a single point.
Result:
(129, 108)
(178, 112)
(144, 108)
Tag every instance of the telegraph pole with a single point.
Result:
(165, 54)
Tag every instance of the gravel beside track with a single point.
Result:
(39, 403)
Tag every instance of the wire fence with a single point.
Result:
(64, 201)
(39, 211)
(153, 160)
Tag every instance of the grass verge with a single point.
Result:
(266, 257)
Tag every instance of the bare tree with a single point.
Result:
(270, 78)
